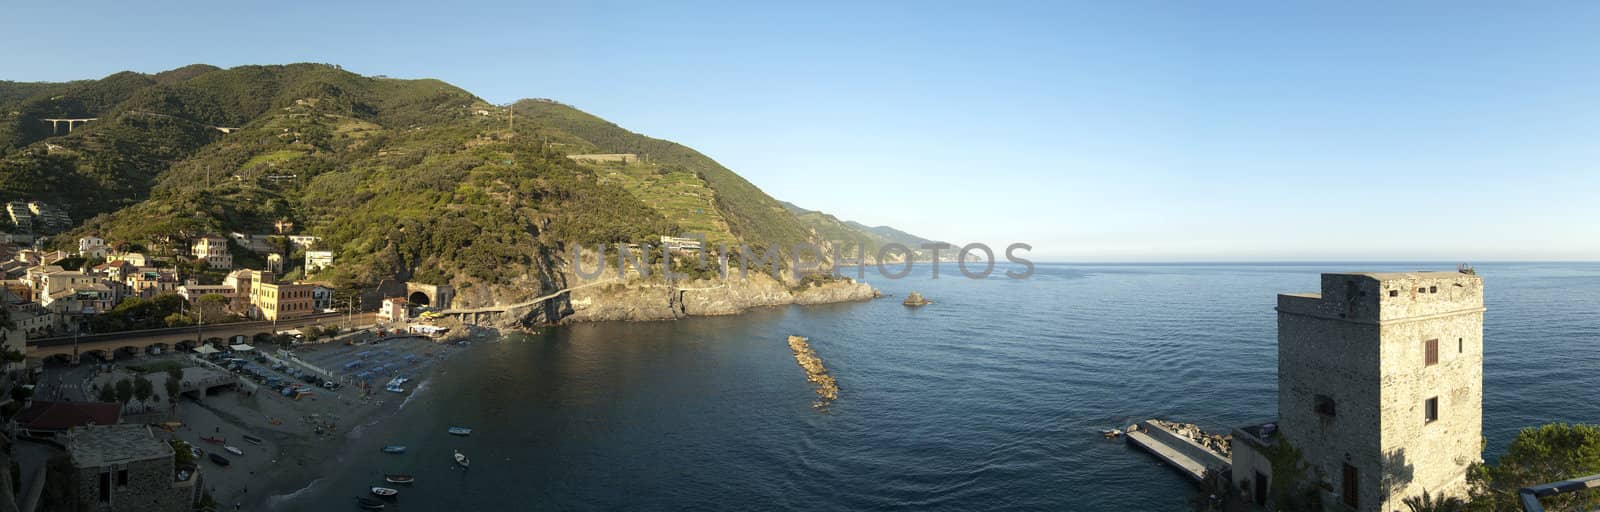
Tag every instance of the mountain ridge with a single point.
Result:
(409, 179)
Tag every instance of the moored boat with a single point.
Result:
(394, 448)
(397, 478)
(461, 458)
(384, 492)
(369, 503)
(218, 459)
(252, 439)
(214, 440)
(233, 450)
(459, 431)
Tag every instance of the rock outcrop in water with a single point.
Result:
(808, 360)
(916, 300)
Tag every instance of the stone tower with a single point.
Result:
(1380, 384)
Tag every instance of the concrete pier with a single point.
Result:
(1177, 451)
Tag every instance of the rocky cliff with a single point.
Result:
(658, 300)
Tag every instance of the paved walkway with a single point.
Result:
(1187, 456)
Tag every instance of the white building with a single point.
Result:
(92, 247)
(318, 260)
(214, 250)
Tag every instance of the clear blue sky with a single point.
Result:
(1094, 131)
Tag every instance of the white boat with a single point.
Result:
(394, 389)
(384, 491)
(461, 458)
(459, 431)
(233, 450)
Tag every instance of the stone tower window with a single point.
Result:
(1433, 289)
(1432, 356)
(1430, 410)
(1394, 293)
(1352, 492)
(1460, 346)
(1324, 405)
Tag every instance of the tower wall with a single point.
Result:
(1354, 379)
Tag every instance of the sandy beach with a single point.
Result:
(297, 436)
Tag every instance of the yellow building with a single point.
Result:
(271, 300)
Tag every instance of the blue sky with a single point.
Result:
(1105, 131)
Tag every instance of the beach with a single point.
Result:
(297, 437)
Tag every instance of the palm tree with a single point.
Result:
(1427, 503)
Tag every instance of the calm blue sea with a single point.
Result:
(991, 398)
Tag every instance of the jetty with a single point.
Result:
(1173, 443)
(827, 389)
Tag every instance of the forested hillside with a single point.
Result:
(402, 179)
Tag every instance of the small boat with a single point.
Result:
(214, 440)
(396, 478)
(460, 431)
(218, 459)
(461, 458)
(369, 503)
(252, 439)
(384, 492)
(394, 448)
(394, 389)
(233, 450)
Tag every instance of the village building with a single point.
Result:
(1370, 393)
(136, 259)
(318, 260)
(674, 243)
(127, 468)
(43, 419)
(193, 292)
(271, 300)
(321, 297)
(147, 283)
(49, 218)
(304, 241)
(92, 247)
(395, 309)
(214, 251)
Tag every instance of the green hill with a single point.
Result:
(407, 179)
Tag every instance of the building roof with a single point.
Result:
(1395, 276)
(45, 415)
(99, 445)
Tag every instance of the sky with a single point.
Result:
(1093, 131)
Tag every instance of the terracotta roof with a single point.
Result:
(44, 415)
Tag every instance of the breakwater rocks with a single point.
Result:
(1220, 443)
(827, 389)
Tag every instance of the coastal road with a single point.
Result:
(107, 344)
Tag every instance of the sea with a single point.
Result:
(991, 398)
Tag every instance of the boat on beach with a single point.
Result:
(233, 450)
(368, 503)
(397, 478)
(384, 492)
(394, 448)
(460, 431)
(218, 459)
(252, 439)
(214, 440)
(461, 458)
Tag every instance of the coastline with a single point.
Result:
(298, 451)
